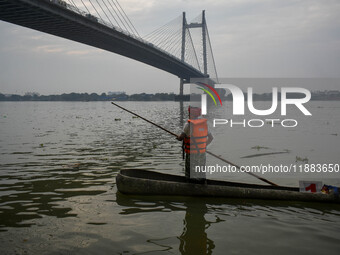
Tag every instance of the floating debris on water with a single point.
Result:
(257, 147)
(41, 145)
(135, 117)
(265, 154)
(97, 223)
(301, 159)
(117, 119)
(334, 134)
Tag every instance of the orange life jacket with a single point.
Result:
(197, 141)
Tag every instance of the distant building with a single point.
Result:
(118, 95)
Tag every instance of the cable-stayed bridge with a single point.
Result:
(174, 47)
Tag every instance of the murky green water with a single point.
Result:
(58, 162)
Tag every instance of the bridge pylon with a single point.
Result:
(185, 28)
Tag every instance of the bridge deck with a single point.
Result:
(45, 16)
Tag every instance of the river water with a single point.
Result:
(58, 162)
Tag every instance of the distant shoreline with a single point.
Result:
(85, 97)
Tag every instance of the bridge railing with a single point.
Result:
(89, 16)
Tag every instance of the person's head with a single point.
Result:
(194, 112)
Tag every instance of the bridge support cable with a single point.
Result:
(104, 11)
(166, 37)
(73, 3)
(85, 7)
(156, 36)
(95, 9)
(192, 55)
(151, 37)
(171, 42)
(114, 18)
(117, 13)
(107, 12)
(127, 17)
(126, 21)
(173, 45)
(175, 38)
(91, 13)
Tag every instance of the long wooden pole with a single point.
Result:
(145, 119)
(210, 153)
(230, 163)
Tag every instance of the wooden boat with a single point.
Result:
(143, 182)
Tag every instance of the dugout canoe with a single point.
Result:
(143, 182)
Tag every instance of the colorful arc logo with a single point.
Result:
(208, 92)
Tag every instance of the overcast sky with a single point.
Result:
(250, 38)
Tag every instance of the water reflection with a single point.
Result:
(194, 239)
(202, 218)
(181, 114)
(24, 200)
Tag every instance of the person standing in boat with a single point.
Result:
(196, 138)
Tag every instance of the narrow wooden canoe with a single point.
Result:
(143, 182)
